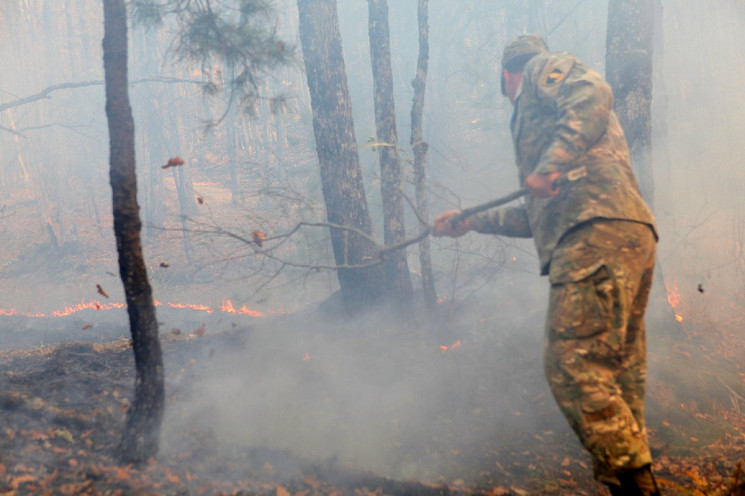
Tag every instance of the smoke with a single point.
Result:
(374, 395)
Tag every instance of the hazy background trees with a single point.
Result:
(261, 172)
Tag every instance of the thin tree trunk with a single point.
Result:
(187, 205)
(341, 175)
(140, 439)
(396, 266)
(419, 146)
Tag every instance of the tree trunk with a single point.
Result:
(629, 71)
(140, 439)
(187, 206)
(396, 266)
(629, 51)
(341, 175)
(419, 146)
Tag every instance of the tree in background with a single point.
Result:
(629, 49)
(140, 439)
(341, 175)
(629, 71)
(235, 35)
(419, 147)
(396, 266)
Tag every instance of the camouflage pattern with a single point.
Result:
(595, 350)
(523, 45)
(563, 120)
(596, 242)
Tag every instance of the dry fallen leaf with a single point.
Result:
(20, 479)
(164, 265)
(87, 326)
(173, 162)
(101, 291)
(258, 237)
(64, 434)
(172, 478)
(50, 478)
(200, 200)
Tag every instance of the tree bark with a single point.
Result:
(629, 71)
(629, 49)
(419, 147)
(140, 439)
(341, 175)
(187, 206)
(396, 266)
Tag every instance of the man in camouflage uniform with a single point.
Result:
(595, 238)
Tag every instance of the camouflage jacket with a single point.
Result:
(563, 120)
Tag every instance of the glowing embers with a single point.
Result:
(453, 346)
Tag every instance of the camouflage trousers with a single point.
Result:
(595, 346)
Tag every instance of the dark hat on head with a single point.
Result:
(522, 48)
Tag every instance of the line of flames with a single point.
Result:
(226, 307)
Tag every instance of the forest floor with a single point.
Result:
(304, 404)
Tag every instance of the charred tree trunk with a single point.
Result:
(419, 146)
(140, 439)
(396, 266)
(629, 71)
(341, 175)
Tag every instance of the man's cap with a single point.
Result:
(527, 44)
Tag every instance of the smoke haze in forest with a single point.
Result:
(372, 391)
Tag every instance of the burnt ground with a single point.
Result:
(303, 405)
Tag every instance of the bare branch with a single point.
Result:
(46, 92)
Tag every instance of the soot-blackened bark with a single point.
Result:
(140, 439)
(396, 266)
(341, 175)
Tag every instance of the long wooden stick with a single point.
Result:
(462, 215)
(489, 205)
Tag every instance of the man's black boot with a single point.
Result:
(637, 482)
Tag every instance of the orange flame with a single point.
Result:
(227, 306)
(673, 295)
(673, 298)
(83, 305)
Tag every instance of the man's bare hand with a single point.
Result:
(542, 185)
(444, 226)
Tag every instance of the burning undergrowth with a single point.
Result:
(309, 404)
